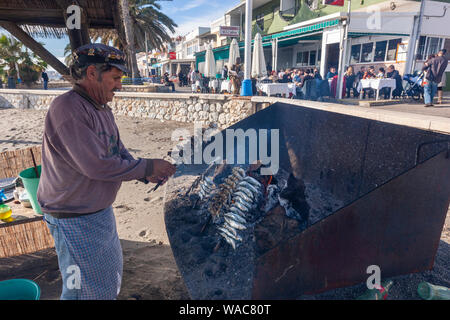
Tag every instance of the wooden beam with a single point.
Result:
(35, 46)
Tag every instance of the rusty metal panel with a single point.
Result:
(396, 226)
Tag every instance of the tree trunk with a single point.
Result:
(129, 36)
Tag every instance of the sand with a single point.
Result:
(150, 271)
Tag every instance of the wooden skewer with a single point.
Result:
(34, 163)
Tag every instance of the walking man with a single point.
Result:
(83, 165)
(435, 69)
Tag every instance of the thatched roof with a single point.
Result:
(45, 18)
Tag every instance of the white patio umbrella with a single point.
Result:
(258, 60)
(178, 68)
(210, 63)
(234, 53)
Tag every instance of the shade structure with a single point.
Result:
(234, 53)
(192, 66)
(258, 60)
(210, 63)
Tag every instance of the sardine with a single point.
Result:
(240, 207)
(235, 217)
(229, 240)
(246, 191)
(243, 196)
(236, 211)
(209, 181)
(235, 224)
(243, 202)
(205, 189)
(239, 171)
(252, 181)
(249, 186)
(230, 232)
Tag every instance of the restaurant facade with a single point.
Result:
(379, 34)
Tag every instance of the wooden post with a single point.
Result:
(35, 46)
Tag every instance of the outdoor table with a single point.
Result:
(376, 84)
(277, 88)
(227, 86)
(214, 84)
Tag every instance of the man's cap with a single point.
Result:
(100, 53)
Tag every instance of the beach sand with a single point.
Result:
(150, 271)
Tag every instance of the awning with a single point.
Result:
(307, 29)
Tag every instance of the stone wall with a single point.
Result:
(220, 109)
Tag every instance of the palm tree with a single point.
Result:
(10, 53)
(145, 16)
(130, 48)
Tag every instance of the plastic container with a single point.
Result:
(5, 212)
(430, 291)
(19, 289)
(31, 183)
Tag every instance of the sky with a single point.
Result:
(187, 14)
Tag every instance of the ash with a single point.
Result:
(211, 267)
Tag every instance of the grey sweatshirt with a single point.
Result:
(83, 159)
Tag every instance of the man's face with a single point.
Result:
(390, 69)
(103, 86)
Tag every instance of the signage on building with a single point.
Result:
(334, 2)
(229, 31)
(172, 55)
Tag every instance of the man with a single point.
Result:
(369, 74)
(435, 69)
(394, 74)
(225, 72)
(83, 165)
(331, 73)
(45, 79)
(167, 81)
(236, 76)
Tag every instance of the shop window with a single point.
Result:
(289, 9)
(421, 48)
(355, 54)
(367, 52)
(260, 20)
(434, 45)
(380, 51)
(392, 49)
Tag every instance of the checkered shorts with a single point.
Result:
(89, 255)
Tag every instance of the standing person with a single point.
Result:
(331, 73)
(235, 76)
(84, 163)
(350, 78)
(45, 79)
(317, 74)
(441, 84)
(11, 81)
(225, 72)
(435, 69)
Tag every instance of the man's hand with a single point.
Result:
(162, 170)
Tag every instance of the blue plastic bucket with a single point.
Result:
(19, 289)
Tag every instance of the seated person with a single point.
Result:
(369, 74)
(394, 74)
(167, 81)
